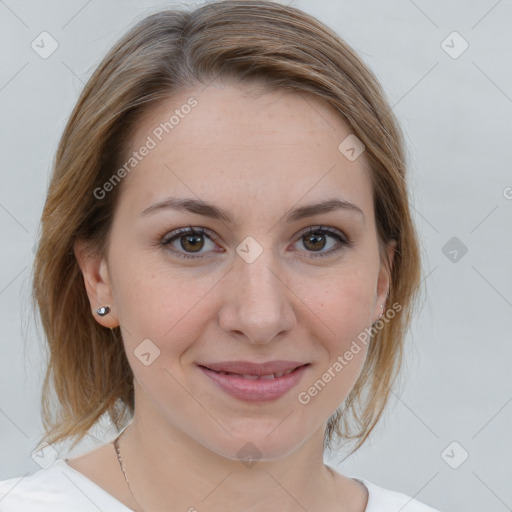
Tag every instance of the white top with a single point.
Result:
(61, 488)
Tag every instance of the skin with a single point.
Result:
(257, 156)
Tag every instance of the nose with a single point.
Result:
(258, 304)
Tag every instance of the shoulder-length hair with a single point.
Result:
(235, 40)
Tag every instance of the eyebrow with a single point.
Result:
(206, 209)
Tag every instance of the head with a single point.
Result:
(198, 105)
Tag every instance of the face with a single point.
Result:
(266, 281)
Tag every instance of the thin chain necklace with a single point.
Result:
(116, 446)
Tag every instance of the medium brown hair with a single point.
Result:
(235, 40)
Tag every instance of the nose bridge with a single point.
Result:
(258, 280)
(258, 300)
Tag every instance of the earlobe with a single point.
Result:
(96, 277)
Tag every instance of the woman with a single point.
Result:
(227, 269)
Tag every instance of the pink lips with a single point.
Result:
(255, 382)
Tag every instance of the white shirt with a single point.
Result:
(61, 488)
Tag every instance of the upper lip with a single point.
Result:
(248, 368)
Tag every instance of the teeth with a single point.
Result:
(262, 377)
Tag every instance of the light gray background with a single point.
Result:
(456, 113)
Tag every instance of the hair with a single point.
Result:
(238, 41)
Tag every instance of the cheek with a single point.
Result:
(343, 301)
(343, 306)
(343, 309)
(160, 303)
(169, 305)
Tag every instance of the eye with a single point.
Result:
(189, 239)
(314, 239)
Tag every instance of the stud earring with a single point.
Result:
(104, 310)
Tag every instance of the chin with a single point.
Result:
(259, 446)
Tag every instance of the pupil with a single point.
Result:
(314, 238)
(195, 242)
(193, 245)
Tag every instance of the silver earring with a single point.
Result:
(382, 310)
(104, 310)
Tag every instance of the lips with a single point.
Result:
(254, 383)
(259, 377)
(249, 370)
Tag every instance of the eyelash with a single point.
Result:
(342, 240)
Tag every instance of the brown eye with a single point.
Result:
(191, 241)
(315, 239)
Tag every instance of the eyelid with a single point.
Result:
(189, 230)
(343, 240)
(328, 229)
(176, 234)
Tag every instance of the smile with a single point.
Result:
(255, 388)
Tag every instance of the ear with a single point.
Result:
(97, 283)
(384, 281)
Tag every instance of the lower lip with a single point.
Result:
(255, 390)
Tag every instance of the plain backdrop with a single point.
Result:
(445, 66)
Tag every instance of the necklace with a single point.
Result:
(116, 446)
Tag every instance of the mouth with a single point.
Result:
(249, 368)
(247, 376)
(255, 388)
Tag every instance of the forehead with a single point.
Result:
(234, 145)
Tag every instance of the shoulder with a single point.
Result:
(386, 500)
(57, 488)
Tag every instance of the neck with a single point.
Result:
(166, 465)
